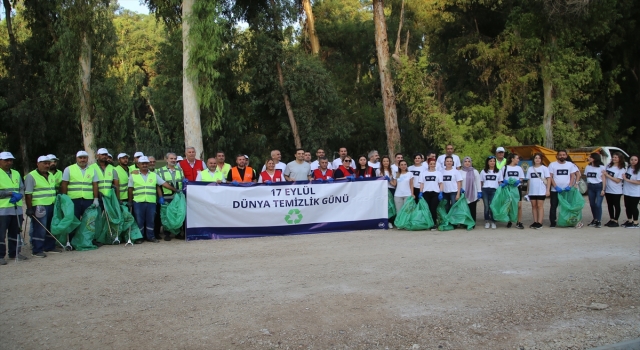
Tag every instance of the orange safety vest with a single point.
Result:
(248, 174)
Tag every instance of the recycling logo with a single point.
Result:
(293, 217)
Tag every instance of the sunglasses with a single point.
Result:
(346, 160)
(491, 157)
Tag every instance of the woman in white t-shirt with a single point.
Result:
(431, 186)
(539, 188)
(596, 181)
(614, 173)
(385, 170)
(513, 171)
(416, 169)
(452, 183)
(404, 185)
(490, 178)
(631, 191)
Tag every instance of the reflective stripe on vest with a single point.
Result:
(144, 191)
(123, 182)
(205, 175)
(248, 174)
(44, 192)
(80, 186)
(9, 184)
(104, 180)
(167, 176)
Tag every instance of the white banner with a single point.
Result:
(227, 211)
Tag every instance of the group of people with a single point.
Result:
(444, 178)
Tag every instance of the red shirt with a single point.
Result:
(317, 174)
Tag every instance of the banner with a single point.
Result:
(216, 211)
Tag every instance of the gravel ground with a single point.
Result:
(479, 289)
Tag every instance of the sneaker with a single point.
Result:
(509, 224)
(614, 224)
(167, 237)
(96, 243)
(493, 225)
(598, 224)
(627, 224)
(434, 228)
(632, 225)
(20, 257)
(608, 224)
(592, 223)
(538, 225)
(39, 255)
(553, 225)
(55, 250)
(519, 226)
(2, 261)
(534, 225)
(487, 224)
(154, 241)
(390, 225)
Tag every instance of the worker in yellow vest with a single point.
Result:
(136, 156)
(40, 196)
(106, 173)
(11, 187)
(174, 176)
(80, 183)
(144, 191)
(500, 159)
(122, 169)
(213, 173)
(53, 169)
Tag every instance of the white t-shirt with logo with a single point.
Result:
(416, 171)
(431, 181)
(491, 179)
(594, 174)
(536, 184)
(450, 179)
(512, 172)
(402, 186)
(561, 174)
(612, 187)
(629, 189)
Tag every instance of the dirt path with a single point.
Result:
(482, 289)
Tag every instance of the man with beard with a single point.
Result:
(564, 175)
(80, 183)
(53, 169)
(122, 169)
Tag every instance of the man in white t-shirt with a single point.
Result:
(448, 152)
(343, 154)
(374, 159)
(276, 157)
(316, 163)
(564, 175)
(398, 157)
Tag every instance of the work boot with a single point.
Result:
(167, 237)
(39, 255)
(2, 261)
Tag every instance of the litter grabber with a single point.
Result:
(33, 218)
(129, 241)
(111, 232)
(19, 239)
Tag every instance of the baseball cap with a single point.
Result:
(52, 157)
(246, 156)
(44, 159)
(6, 155)
(109, 154)
(122, 155)
(102, 151)
(143, 159)
(499, 149)
(138, 154)
(179, 158)
(82, 154)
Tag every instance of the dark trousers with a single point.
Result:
(432, 201)
(145, 212)
(631, 207)
(487, 197)
(157, 222)
(416, 192)
(613, 204)
(450, 199)
(9, 228)
(554, 208)
(41, 240)
(79, 206)
(472, 209)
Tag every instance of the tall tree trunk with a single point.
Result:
(84, 85)
(311, 27)
(547, 119)
(191, 107)
(396, 52)
(386, 81)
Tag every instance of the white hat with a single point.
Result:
(122, 155)
(109, 154)
(143, 159)
(179, 158)
(138, 154)
(44, 159)
(499, 149)
(6, 155)
(52, 157)
(82, 154)
(102, 151)
(246, 156)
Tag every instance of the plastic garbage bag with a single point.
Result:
(129, 226)
(414, 217)
(505, 203)
(391, 206)
(443, 217)
(83, 239)
(64, 219)
(460, 214)
(571, 204)
(404, 215)
(173, 214)
(111, 219)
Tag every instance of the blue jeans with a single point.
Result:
(9, 224)
(595, 200)
(79, 206)
(40, 239)
(487, 198)
(450, 199)
(145, 214)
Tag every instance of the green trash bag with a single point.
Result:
(173, 214)
(505, 203)
(443, 217)
(129, 228)
(83, 238)
(64, 219)
(110, 219)
(460, 214)
(391, 206)
(571, 204)
(414, 217)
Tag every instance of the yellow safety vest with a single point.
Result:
(9, 184)
(58, 178)
(500, 164)
(44, 192)
(104, 180)
(165, 174)
(80, 186)
(205, 175)
(144, 191)
(123, 182)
